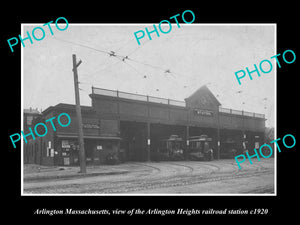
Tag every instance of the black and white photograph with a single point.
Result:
(159, 116)
(138, 112)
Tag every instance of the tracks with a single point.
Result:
(189, 168)
(167, 175)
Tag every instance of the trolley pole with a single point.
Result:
(79, 118)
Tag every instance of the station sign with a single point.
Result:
(202, 112)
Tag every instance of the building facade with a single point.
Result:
(131, 126)
(29, 116)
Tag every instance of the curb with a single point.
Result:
(44, 178)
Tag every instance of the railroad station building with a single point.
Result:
(132, 125)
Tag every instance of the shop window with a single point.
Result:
(67, 161)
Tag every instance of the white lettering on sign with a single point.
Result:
(203, 112)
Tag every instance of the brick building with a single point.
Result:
(131, 126)
(29, 116)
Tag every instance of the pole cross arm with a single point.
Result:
(78, 63)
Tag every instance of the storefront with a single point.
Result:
(96, 149)
(60, 147)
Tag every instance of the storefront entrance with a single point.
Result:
(96, 150)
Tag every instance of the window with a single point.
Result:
(29, 120)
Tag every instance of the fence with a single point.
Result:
(132, 96)
(106, 92)
(145, 98)
(239, 112)
(158, 100)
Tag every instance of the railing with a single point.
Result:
(145, 98)
(224, 110)
(236, 112)
(177, 103)
(105, 92)
(248, 113)
(158, 100)
(239, 112)
(258, 115)
(132, 96)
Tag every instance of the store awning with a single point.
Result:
(88, 137)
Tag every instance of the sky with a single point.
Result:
(194, 55)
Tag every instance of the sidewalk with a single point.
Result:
(34, 172)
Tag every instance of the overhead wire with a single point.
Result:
(84, 46)
(129, 41)
(138, 48)
(123, 59)
(112, 53)
(133, 68)
(107, 66)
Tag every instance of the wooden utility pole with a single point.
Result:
(79, 118)
(218, 135)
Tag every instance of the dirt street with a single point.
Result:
(176, 177)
